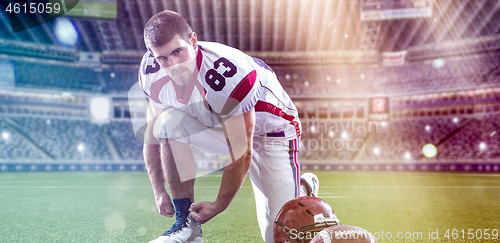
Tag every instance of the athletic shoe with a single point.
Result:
(309, 185)
(185, 229)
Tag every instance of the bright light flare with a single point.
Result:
(438, 63)
(482, 146)
(80, 147)
(429, 150)
(5, 135)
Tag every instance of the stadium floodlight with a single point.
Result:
(376, 151)
(65, 32)
(80, 147)
(331, 134)
(438, 63)
(313, 129)
(429, 150)
(99, 109)
(455, 120)
(427, 128)
(482, 146)
(5, 135)
(344, 135)
(407, 155)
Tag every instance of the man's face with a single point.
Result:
(178, 58)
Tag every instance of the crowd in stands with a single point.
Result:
(466, 73)
(71, 140)
(52, 76)
(341, 140)
(471, 137)
(13, 146)
(328, 80)
(122, 135)
(404, 139)
(451, 73)
(479, 139)
(121, 80)
(359, 79)
(60, 139)
(455, 138)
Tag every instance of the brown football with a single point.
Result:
(344, 234)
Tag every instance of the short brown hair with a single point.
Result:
(163, 27)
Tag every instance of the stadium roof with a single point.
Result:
(277, 25)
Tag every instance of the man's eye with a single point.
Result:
(177, 51)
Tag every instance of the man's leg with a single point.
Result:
(275, 179)
(180, 172)
(172, 153)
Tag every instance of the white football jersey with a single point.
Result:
(228, 83)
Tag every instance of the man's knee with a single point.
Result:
(175, 124)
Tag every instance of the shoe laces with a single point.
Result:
(181, 221)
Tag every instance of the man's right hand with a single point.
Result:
(164, 205)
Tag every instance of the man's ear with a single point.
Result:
(194, 40)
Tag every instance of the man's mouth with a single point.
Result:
(179, 73)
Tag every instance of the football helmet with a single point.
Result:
(300, 219)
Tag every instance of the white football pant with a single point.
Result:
(274, 172)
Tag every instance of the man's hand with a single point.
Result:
(164, 205)
(204, 211)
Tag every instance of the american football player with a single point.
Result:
(221, 101)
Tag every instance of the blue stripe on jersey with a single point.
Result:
(294, 163)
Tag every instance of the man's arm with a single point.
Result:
(152, 159)
(239, 134)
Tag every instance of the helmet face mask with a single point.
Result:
(300, 219)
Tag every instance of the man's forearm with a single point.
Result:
(232, 179)
(153, 165)
(239, 133)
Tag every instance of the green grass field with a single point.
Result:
(120, 207)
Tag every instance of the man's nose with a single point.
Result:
(171, 62)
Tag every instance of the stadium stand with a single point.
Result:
(64, 139)
(340, 140)
(477, 140)
(400, 137)
(51, 76)
(123, 136)
(457, 73)
(13, 146)
(119, 80)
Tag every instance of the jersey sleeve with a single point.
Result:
(231, 84)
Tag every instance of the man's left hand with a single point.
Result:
(203, 211)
